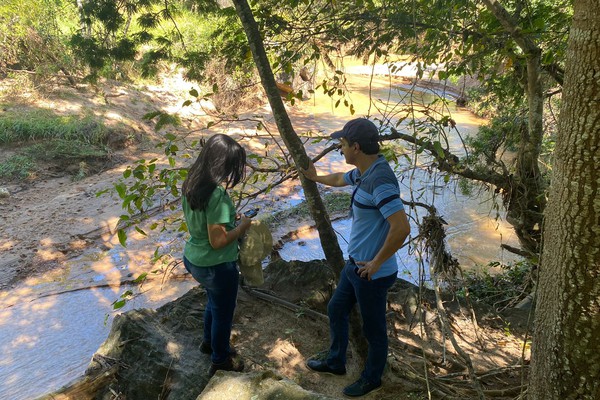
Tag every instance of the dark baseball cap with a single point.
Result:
(359, 130)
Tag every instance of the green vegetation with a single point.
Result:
(33, 125)
(40, 135)
(500, 290)
(17, 167)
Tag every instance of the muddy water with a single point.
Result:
(51, 326)
(475, 223)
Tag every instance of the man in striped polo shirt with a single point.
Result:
(379, 228)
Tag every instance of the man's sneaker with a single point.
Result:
(206, 348)
(360, 388)
(321, 366)
(231, 364)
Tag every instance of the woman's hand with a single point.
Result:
(244, 224)
(219, 237)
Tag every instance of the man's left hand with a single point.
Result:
(366, 269)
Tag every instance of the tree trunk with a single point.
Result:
(527, 197)
(328, 238)
(566, 342)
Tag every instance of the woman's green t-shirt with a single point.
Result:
(220, 210)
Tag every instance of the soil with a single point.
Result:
(51, 218)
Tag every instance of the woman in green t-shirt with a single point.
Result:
(211, 252)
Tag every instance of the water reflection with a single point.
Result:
(473, 238)
(52, 324)
(48, 342)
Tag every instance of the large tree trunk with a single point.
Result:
(566, 343)
(328, 238)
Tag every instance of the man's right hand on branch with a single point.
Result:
(310, 172)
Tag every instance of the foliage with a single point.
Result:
(33, 35)
(32, 125)
(41, 135)
(17, 167)
(501, 134)
(500, 289)
(447, 40)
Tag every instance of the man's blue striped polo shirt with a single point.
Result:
(376, 197)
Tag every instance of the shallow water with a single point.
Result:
(52, 325)
(48, 342)
(473, 236)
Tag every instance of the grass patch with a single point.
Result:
(43, 136)
(68, 150)
(36, 125)
(17, 167)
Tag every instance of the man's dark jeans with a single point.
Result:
(221, 284)
(372, 301)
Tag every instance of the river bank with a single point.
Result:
(61, 259)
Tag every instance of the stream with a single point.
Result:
(51, 325)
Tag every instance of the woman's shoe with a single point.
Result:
(231, 364)
(206, 348)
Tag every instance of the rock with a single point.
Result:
(462, 101)
(4, 193)
(255, 385)
(297, 281)
(156, 351)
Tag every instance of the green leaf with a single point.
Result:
(194, 93)
(439, 150)
(121, 189)
(141, 278)
(151, 115)
(122, 237)
(119, 304)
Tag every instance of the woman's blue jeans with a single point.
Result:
(221, 284)
(371, 297)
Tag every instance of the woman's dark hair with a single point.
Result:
(222, 159)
